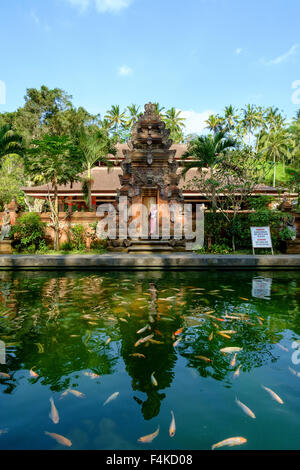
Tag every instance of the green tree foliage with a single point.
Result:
(54, 160)
(28, 231)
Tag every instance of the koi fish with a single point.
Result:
(177, 342)
(233, 361)
(158, 333)
(229, 332)
(211, 336)
(178, 332)
(77, 393)
(231, 349)
(60, 439)
(143, 340)
(6, 376)
(206, 359)
(294, 372)
(237, 372)
(155, 341)
(137, 355)
(91, 375)
(143, 329)
(53, 413)
(245, 409)
(33, 374)
(223, 334)
(273, 394)
(172, 428)
(123, 320)
(231, 441)
(112, 397)
(282, 347)
(107, 341)
(243, 298)
(149, 437)
(153, 380)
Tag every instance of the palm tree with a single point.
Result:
(274, 119)
(252, 118)
(133, 115)
(230, 117)
(159, 109)
(115, 117)
(207, 152)
(276, 145)
(214, 123)
(11, 143)
(174, 123)
(95, 147)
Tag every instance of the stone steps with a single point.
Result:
(149, 246)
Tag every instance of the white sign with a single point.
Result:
(261, 237)
(261, 287)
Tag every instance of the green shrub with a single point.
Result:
(78, 239)
(28, 231)
(286, 234)
(66, 246)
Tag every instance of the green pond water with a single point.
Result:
(67, 325)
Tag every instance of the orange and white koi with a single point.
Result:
(138, 355)
(231, 441)
(149, 437)
(203, 358)
(60, 439)
(233, 361)
(172, 428)
(177, 342)
(107, 341)
(237, 372)
(92, 375)
(33, 374)
(6, 376)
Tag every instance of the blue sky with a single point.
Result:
(195, 55)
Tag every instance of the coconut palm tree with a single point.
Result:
(252, 119)
(115, 117)
(95, 148)
(214, 123)
(276, 146)
(133, 115)
(11, 143)
(174, 123)
(159, 109)
(230, 117)
(207, 152)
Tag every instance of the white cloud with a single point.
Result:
(35, 17)
(125, 70)
(195, 122)
(81, 4)
(282, 58)
(111, 6)
(238, 51)
(102, 6)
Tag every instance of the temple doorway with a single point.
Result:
(149, 198)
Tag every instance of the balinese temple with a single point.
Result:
(147, 169)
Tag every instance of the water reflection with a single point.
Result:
(63, 324)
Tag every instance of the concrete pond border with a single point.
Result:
(121, 261)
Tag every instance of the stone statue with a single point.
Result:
(6, 226)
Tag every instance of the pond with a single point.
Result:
(121, 353)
